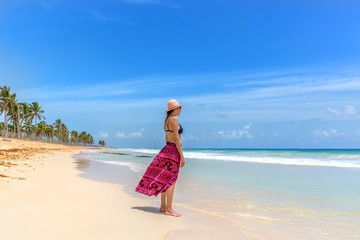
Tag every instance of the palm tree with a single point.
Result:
(2, 126)
(33, 130)
(50, 132)
(41, 129)
(14, 115)
(82, 137)
(102, 143)
(11, 127)
(27, 128)
(25, 111)
(12, 109)
(74, 136)
(3, 109)
(25, 116)
(18, 117)
(5, 105)
(57, 126)
(36, 112)
(90, 139)
(64, 133)
(86, 139)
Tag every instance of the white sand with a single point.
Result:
(43, 198)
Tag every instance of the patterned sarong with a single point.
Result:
(162, 172)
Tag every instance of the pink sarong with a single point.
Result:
(162, 172)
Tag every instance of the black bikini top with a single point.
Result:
(168, 130)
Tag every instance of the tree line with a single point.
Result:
(21, 121)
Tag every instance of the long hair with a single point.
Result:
(167, 115)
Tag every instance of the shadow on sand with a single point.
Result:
(148, 209)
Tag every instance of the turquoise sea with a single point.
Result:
(259, 193)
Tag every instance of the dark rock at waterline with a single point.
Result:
(115, 153)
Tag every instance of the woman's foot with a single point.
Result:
(162, 209)
(171, 212)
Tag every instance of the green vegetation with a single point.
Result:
(102, 143)
(20, 120)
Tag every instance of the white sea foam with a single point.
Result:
(140, 150)
(82, 156)
(335, 160)
(133, 166)
(343, 161)
(93, 150)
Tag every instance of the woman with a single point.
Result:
(161, 175)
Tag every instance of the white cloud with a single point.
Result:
(237, 133)
(268, 91)
(120, 135)
(333, 111)
(135, 134)
(189, 137)
(328, 133)
(103, 134)
(350, 110)
(269, 99)
(347, 110)
(247, 126)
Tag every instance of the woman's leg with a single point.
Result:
(169, 198)
(163, 202)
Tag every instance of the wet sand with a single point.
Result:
(43, 197)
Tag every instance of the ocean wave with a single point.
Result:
(135, 167)
(140, 150)
(268, 157)
(138, 168)
(316, 162)
(83, 156)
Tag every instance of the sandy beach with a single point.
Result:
(43, 197)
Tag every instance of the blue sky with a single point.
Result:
(251, 74)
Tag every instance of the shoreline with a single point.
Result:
(52, 200)
(197, 223)
(251, 208)
(55, 192)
